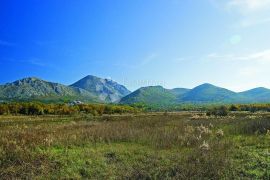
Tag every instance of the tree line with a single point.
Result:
(35, 108)
(213, 109)
(250, 107)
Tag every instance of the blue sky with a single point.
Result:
(174, 43)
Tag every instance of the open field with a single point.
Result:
(185, 145)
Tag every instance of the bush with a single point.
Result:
(234, 108)
(35, 109)
(3, 109)
(218, 111)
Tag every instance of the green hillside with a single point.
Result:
(150, 95)
(203, 94)
(208, 93)
(257, 95)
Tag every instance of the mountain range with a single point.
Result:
(205, 93)
(98, 90)
(88, 89)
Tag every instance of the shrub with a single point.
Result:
(3, 109)
(35, 109)
(234, 108)
(205, 146)
(219, 133)
(218, 111)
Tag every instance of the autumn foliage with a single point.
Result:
(63, 109)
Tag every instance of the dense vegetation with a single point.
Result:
(63, 109)
(36, 108)
(152, 146)
(202, 107)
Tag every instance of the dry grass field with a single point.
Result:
(185, 145)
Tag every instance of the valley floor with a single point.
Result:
(187, 145)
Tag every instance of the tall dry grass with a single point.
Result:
(202, 140)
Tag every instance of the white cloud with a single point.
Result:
(248, 12)
(260, 56)
(253, 21)
(247, 6)
(248, 68)
(254, 12)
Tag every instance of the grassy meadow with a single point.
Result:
(185, 145)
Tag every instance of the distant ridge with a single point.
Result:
(33, 88)
(205, 93)
(93, 89)
(259, 94)
(208, 93)
(99, 90)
